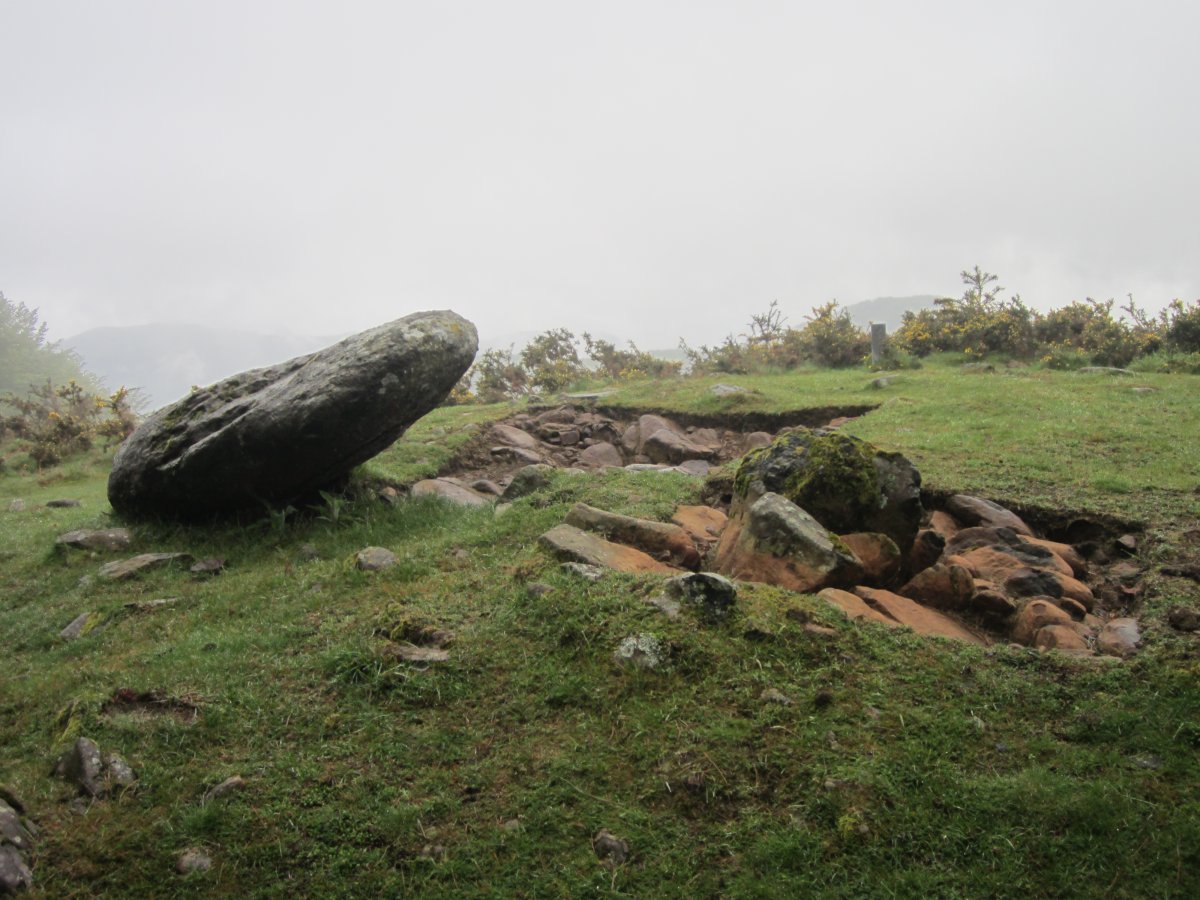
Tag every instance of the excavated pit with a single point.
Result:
(700, 444)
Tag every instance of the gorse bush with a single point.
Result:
(53, 423)
(979, 323)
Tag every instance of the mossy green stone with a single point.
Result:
(844, 483)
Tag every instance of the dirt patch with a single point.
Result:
(150, 704)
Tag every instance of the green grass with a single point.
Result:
(936, 769)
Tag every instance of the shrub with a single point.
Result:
(1183, 326)
(498, 376)
(830, 338)
(551, 360)
(620, 364)
(59, 422)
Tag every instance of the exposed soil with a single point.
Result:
(559, 435)
(150, 704)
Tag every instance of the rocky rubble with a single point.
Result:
(824, 513)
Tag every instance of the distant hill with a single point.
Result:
(888, 310)
(165, 361)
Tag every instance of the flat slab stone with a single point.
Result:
(374, 559)
(921, 619)
(574, 545)
(129, 568)
(449, 491)
(283, 432)
(105, 539)
(659, 539)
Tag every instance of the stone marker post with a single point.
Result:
(878, 337)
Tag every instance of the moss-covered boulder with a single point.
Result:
(844, 483)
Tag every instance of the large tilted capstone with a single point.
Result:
(283, 432)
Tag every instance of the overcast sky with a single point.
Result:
(646, 169)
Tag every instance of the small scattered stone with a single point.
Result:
(118, 774)
(609, 847)
(538, 589)
(1119, 637)
(711, 595)
(81, 765)
(1128, 543)
(529, 480)
(94, 775)
(309, 552)
(484, 486)
(213, 565)
(374, 559)
(388, 495)
(1184, 618)
(640, 651)
(229, 786)
(449, 490)
(82, 624)
(12, 829)
(512, 825)
(771, 695)
(725, 390)
(193, 860)
(64, 504)
(16, 506)
(124, 569)
(15, 875)
(664, 604)
(1152, 762)
(106, 539)
(583, 570)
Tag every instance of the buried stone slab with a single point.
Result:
(124, 569)
(283, 432)
(921, 619)
(572, 544)
(978, 511)
(105, 539)
(449, 490)
(710, 595)
(667, 542)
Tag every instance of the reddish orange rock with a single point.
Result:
(879, 555)
(944, 524)
(1068, 554)
(570, 543)
(1036, 615)
(1059, 637)
(703, 523)
(855, 607)
(921, 619)
(943, 587)
(667, 542)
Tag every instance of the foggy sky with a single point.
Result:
(648, 169)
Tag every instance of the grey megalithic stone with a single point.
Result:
(283, 432)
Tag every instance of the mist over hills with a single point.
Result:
(164, 361)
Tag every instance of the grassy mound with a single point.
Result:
(766, 758)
